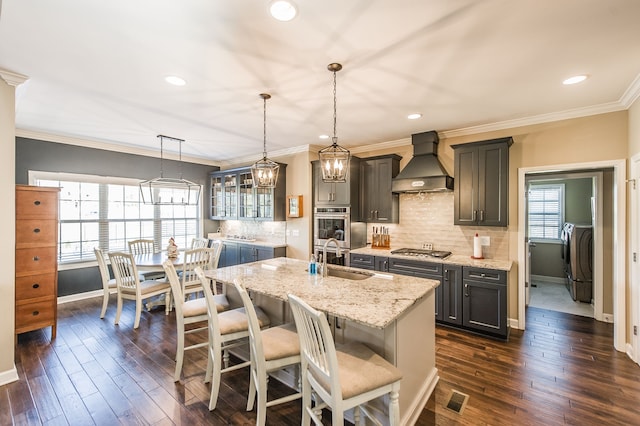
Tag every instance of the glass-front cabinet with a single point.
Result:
(233, 196)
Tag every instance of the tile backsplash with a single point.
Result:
(428, 218)
(424, 218)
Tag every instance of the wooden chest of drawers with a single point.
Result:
(36, 258)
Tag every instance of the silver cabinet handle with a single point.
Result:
(466, 290)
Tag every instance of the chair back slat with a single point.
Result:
(200, 257)
(316, 344)
(217, 247)
(142, 247)
(124, 269)
(176, 288)
(199, 243)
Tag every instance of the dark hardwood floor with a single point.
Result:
(562, 370)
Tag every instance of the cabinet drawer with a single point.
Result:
(35, 314)
(415, 268)
(32, 204)
(487, 275)
(34, 286)
(35, 260)
(363, 261)
(36, 233)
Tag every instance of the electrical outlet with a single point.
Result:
(427, 246)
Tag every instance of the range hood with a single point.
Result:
(423, 173)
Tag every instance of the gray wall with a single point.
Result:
(38, 155)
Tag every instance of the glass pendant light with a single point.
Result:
(265, 172)
(170, 191)
(334, 158)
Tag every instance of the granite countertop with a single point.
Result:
(376, 301)
(454, 259)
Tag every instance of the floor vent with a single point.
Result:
(457, 401)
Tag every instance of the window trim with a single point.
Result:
(35, 175)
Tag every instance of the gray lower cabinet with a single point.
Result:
(471, 298)
(484, 306)
(451, 295)
(372, 263)
(238, 253)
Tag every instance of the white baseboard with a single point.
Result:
(514, 323)
(630, 353)
(9, 376)
(546, 279)
(607, 318)
(80, 296)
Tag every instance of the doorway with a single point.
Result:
(554, 199)
(618, 229)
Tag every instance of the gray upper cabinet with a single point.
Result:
(233, 196)
(338, 194)
(378, 203)
(481, 183)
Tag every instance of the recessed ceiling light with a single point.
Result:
(283, 10)
(176, 81)
(324, 136)
(575, 79)
(414, 116)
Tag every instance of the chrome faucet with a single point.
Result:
(324, 254)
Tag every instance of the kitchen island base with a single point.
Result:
(407, 341)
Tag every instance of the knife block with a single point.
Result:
(382, 241)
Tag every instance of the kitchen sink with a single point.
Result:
(348, 275)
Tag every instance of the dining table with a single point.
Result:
(153, 261)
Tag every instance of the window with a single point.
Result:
(106, 212)
(546, 211)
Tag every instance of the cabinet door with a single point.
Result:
(264, 253)
(381, 263)
(247, 253)
(229, 255)
(493, 170)
(333, 193)
(216, 196)
(451, 307)
(379, 203)
(246, 196)
(485, 301)
(362, 261)
(465, 186)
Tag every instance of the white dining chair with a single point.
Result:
(227, 329)
(144, 246)
(109, 285)
(130, 287)
(200, 257)
(341, 376)
(187, 312)
(199, 242)
(272, 349)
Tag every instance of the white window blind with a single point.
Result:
(546, 211)
(105, 212)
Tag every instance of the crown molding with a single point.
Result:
(380, 146)
(632, 93)
(250, 159)
(107, 146)
(12, 78)
(536, 119)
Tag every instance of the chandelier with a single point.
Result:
(334, 158)
(170, 191)
(265, 172)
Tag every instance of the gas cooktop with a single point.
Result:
(421, 253)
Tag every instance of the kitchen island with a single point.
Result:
(392, 314)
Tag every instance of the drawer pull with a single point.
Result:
(37, 230)
(35, 313)
(36, 202)
(36, 258)
(36, 285)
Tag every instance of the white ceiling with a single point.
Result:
(96, 68)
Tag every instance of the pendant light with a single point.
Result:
(334, 158)
(169, 191)
(265, 172)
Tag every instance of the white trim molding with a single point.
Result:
(12, 78)
(9, 376)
